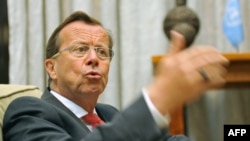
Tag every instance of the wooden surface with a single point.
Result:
(238, 76)
(177, 123)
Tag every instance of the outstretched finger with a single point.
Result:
(177, 42)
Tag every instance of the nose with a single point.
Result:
(92, 58)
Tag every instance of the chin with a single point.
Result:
(96, 90)
(92, 88)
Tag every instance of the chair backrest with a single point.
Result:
(9, 92)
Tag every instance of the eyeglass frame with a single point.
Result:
(111, 52)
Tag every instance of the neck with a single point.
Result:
(86, 101)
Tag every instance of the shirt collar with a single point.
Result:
(76, 109)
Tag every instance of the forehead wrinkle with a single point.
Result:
(88, 33)
(93, 34)
(78, 30)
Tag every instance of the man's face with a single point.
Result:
(75, 76)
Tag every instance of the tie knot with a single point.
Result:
(92, 119)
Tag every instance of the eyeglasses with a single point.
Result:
(83, 50)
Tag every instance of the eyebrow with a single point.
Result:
(84, 43)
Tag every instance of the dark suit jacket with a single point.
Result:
(32, 119)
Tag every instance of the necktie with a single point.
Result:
(92, 119)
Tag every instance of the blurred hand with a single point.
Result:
(182, 75)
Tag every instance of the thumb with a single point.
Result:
(177, 42)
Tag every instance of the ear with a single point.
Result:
(50, 68)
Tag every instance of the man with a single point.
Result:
(77, 61)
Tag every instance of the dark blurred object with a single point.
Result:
(177, 138)
(4, 41)
(183, 20)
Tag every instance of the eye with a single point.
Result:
(80, 49)
(102, 51)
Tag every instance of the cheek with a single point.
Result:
(105, 69)
(67, 67)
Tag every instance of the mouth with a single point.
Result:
(93, 75)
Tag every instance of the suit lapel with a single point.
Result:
(101, 114)
(48, 97)
(105, 112)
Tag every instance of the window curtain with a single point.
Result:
(138, 35)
